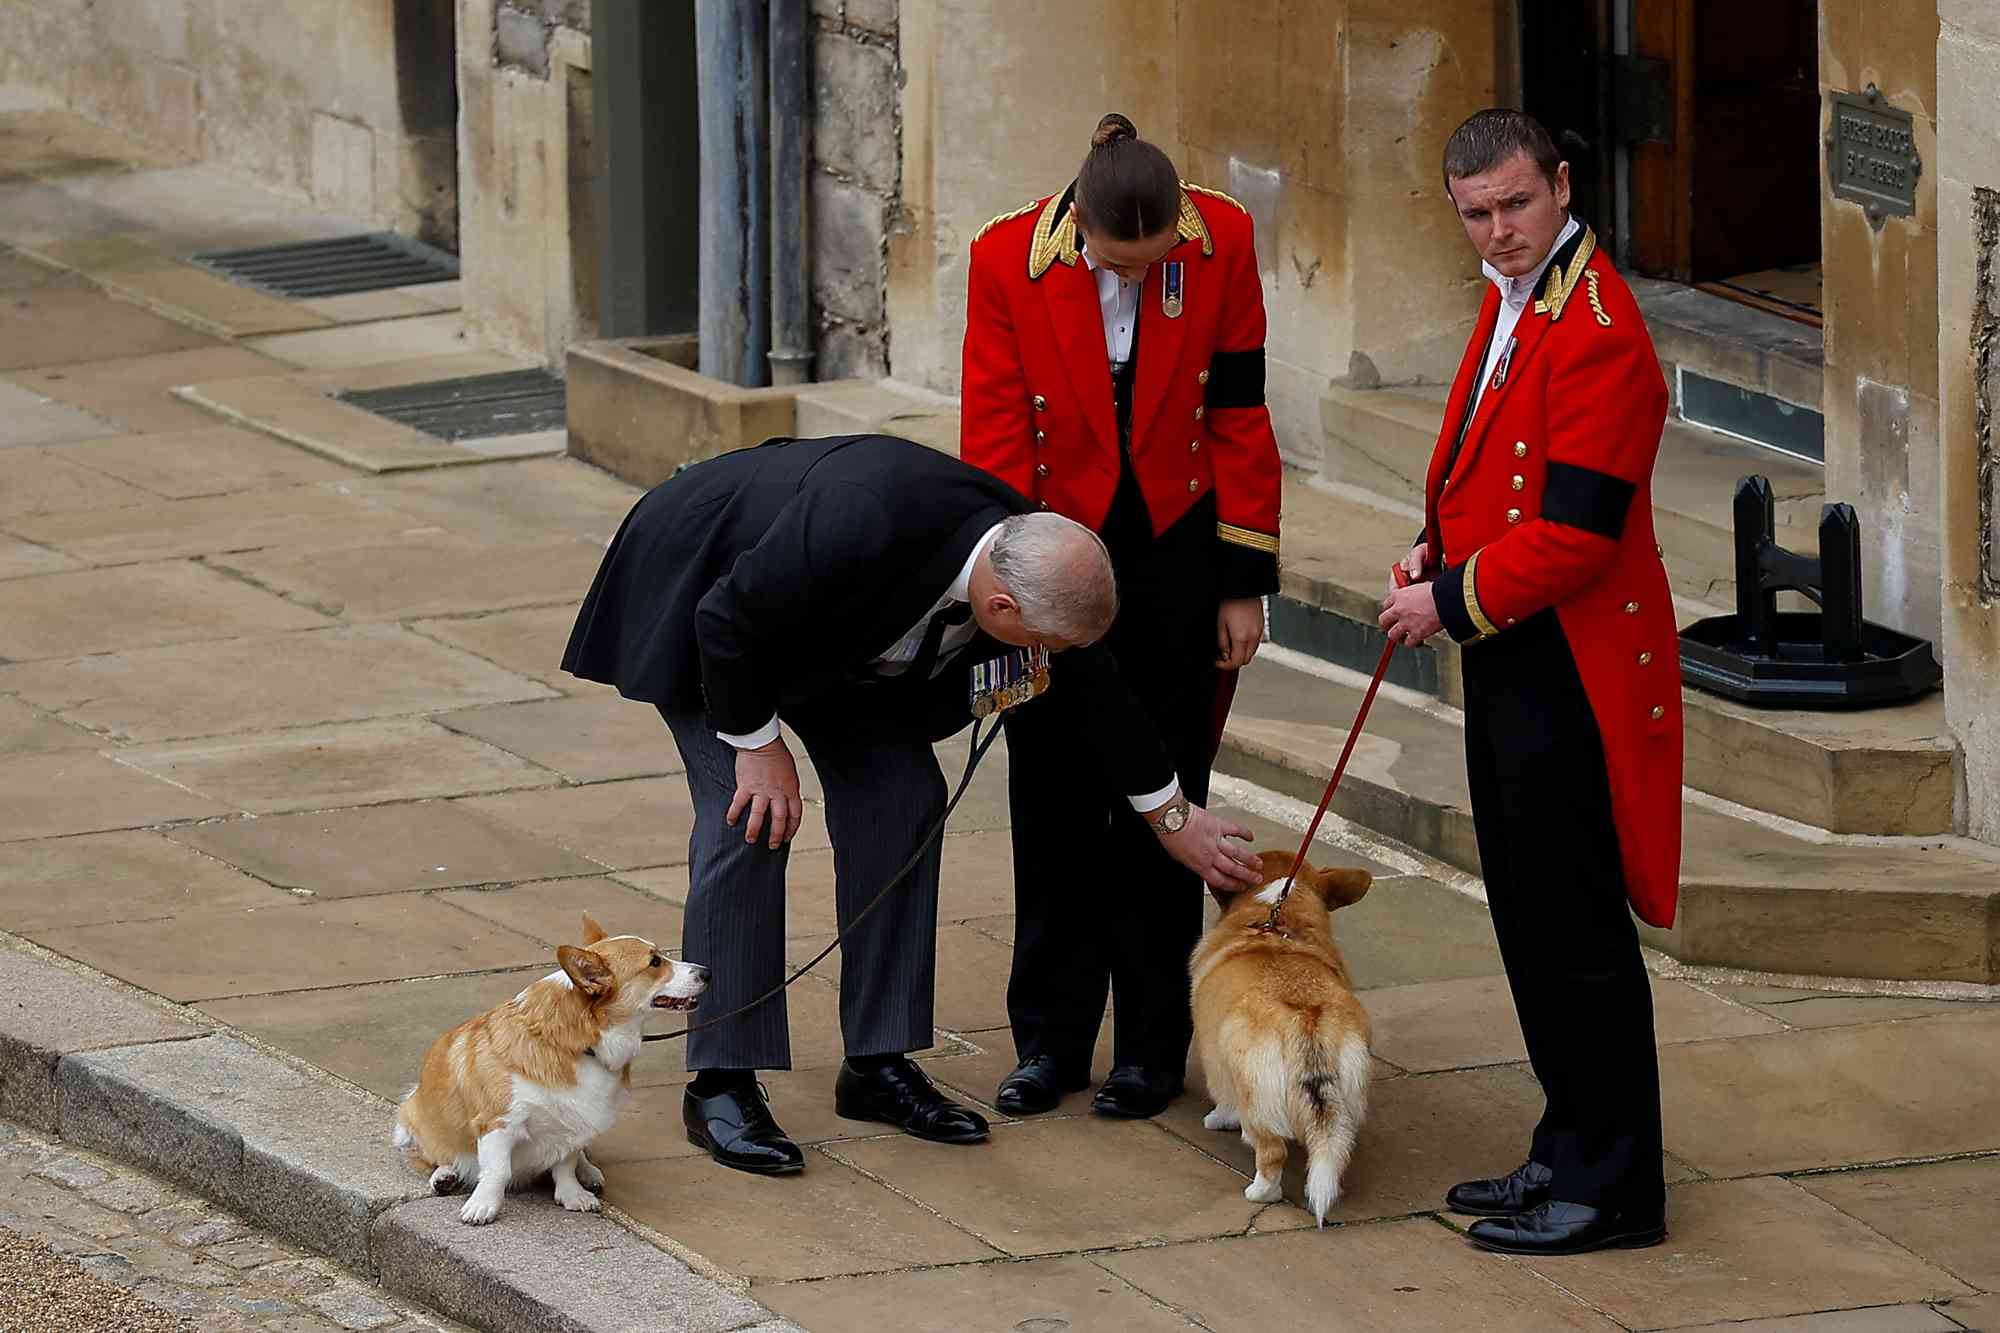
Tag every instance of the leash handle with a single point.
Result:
(1270, 923)
(979, 749)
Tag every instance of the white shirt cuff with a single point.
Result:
(1152, 801)
(763, 736)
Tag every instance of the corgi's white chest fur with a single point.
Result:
(551, 1123)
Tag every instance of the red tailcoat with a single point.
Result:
(1549, 504)
(1036, 405)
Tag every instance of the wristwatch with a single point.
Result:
(1174, 818)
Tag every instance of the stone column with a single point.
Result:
(1968, 287)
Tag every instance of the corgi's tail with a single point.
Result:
(400, 1136)
(1332, 1103)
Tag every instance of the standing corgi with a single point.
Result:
(526, 1086)
(1283, 1041)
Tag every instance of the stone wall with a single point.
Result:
(1881, 293)
(1967, 181)
(310, 97)
(857, 182)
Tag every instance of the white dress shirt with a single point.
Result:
(1514, 294)
(1118, 300)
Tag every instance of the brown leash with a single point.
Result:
(1269, 925)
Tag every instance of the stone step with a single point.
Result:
(1753, 896)
(1878, 771)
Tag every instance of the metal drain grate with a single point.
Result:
(513, 402)
(337, 267)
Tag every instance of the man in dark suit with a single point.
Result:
(845, 586)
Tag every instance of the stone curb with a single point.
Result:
(308, 1158)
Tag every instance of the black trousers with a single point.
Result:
(1541, 807)
(1099, 905)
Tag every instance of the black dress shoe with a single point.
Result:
(1136, 1092)
(1516, 1192)
(1037, 1085)
(898, 1093)
(1553, 1227)
(737, 1129)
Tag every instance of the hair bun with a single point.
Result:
(1112, 128)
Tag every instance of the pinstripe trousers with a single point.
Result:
(883, 791)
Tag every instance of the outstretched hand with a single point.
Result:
(1206, 845)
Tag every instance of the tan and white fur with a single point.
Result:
(1283, 1041)
(526, 1086)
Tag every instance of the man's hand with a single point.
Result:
(1413, 564)
(1204, 846)
(1410, 615)
(767, 784)
(1239, 629)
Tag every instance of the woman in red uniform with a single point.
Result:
(1114, 371)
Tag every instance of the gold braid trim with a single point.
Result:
(1597, 306)
(1214, 194)
(1054, 239)
(1250, 537)
(1192, 228)
(1470, 586)
(1562, 285)
(1028, 207)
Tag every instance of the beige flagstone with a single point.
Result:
(106, 610)
(100, 878)
(79, 791)
(212, 460)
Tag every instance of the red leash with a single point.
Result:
(1270, 923)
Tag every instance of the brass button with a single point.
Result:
(1518, 481)
(1513, 516)
(1194, 446)
(1041, 403)
(1201, 377)
(1043, 505)
(1520, 449)
(1194, 484)
(1631, 608)
(1645, 659)
(1659, 550)
(1041, 469)
(1041, 437)
(1512, 621)
(1658, 712)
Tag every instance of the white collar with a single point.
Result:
(961, 588)
(1515, 291)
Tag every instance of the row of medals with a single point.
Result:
(1007, 681)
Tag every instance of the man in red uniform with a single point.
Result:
(1538, 555)
(1114, 372)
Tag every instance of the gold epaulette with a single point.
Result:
(1563, 284)
(1214, 194)
(991, 223)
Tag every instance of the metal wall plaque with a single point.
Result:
(1872, 154)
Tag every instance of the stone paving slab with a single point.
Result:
(1390, 1275)
(435, 575)
(17, 271)
(100, 878)
(42, 481)
(552, 911)
(556, 497)
(172, 529)
(213, 954)
(25, 730)
(214, 460)
(1947, 1212)
(34, 420)
(593, 737)
(1817, 1009)
(261, 683)
(380, 849)
(315, 768)
(1836, 1096)
(49, 142)
(134, 392)
(48, 1012)
(106, 610)
(69, 320)
(75, 791)
(289, 1151)
(528, 642)
(19, 559)
(590, 1275)
(1743, 1249)
(345, 348)
(200, 299)
(1872, 1319)
(1037, 1295)
(283, 406)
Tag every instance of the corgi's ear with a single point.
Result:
(592, 932)
(587, 971)
(1342, 887)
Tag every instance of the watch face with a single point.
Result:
(1175, 819)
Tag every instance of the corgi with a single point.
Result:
(526, 1086)
(1283, 1041)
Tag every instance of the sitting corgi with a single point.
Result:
(525, 1087)
(1283, 1041)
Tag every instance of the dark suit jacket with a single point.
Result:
(772, 576)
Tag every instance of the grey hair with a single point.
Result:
(1059, 573)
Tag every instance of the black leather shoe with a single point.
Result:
(1553, 1227)
(1136, 1092)
(1037, 1085)
(900, 1094)
(738, 1131)
(1516, 1192)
